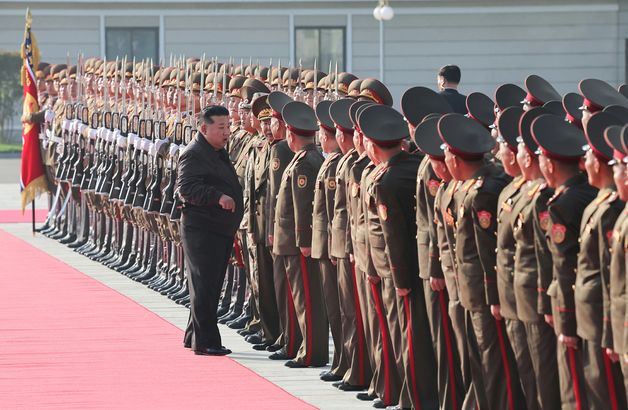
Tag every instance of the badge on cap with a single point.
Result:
(301, 181)
(331, 183)
(383, 211)
(484, 219)
(558, 233)
(432, 186)
(544, 220)
(275, 164)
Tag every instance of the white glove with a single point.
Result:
(49, 116)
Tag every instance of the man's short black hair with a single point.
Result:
(212, 111)
(451, 73)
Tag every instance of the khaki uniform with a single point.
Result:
(617, 291)
(293, 229)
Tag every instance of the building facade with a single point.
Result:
(493, 41)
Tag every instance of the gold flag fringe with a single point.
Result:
(37, 187)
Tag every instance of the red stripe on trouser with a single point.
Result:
(308, 311)
(291, 326)
(502, 348)
(574, 376)
(383, 325)
(359, 326)
(450, 354)
(610, 380)
(406, 303)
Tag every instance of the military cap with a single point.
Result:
(354, 88)
(128, 70)
(344, 81)
(173, 78)
(594, 133)
(598, 94)
(235, 85)
(623, 90)
(309, 79)
(212, 66)
(164, 76)
(324, 118)
(276, 77)
(427, 138)
(417, 102)
(615, 137)
(39, 71)
(277, 100)
(304, 73)
(249, 71)
(209, 82)
(481, 108)
(618, 111)
(238, 70)
(261, 73)
(324, 83)
(354, 109)
(508, 95)
(339, 112)
(359, 111)
(196, 81)
(555, 107)
(300, 118)
(290, 77)
(261, 109)
(56, 70)
(46, 72)
(256, 84)
(539, 92)
(226, 68)
(247, 93)
(571, 104)
(376, 91)
(383, 125)
(557, 139)
(525, 128)
(464, 137)
(508, 124)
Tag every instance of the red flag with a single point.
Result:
(33, 177)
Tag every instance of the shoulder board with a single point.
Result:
(536, 188)
(612, 197)
(301, 154)
(602, 198)
(557, 194)
(380, 173)
(471, 182)
(479, 183)
(520, 183)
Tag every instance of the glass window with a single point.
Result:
(140, 43)
(324, 44)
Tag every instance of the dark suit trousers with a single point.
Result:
(206, 258)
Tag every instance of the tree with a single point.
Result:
(10, 89)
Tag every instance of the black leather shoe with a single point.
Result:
(254, 339)
(245, 332)
(273, 348)
(397, 407)
(293, 364)
(261, 346)
(379, 404)
(349, 387)
(330, 376)
(238, 323)
(279, 355)
(364, 396)
(212, 351)
(338, 383)
(187, 345)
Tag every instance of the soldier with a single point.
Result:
(324, 192)
(393, 194)
(560, 151)
(293, 235)
(604, 387)
(539, 92)
(492, 361)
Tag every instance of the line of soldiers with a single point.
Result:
(460, 260)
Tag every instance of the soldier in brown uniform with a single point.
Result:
(560, 150)
(280, 156)
(510, 203)
(617, 137)
(602, 376)
(293, 235)
(533, 265)
(492, 360)
(393, 194)
(324, 193)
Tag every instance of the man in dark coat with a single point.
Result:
(448, 80)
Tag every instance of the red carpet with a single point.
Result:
(67, 341)
(16, 216)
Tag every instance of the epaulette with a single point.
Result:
(603, 198)
(612, 197)
(380, 173)
(301, 154)
(479, 183)
(557, 194)
(536, 188)
(519, 183)
(471, 182)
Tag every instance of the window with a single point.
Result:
(324, 44)
(140, 43)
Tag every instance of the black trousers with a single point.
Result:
(206, 258)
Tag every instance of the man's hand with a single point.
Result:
(227, 203)
(306, 251)
(612, 355)
(496, 311)
(333, 260)
(403, 292)
(26, 118)
(549, 319)
(271, 239)
(569, 341)
(437, 284)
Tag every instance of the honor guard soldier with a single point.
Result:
(293, 235)
(324, 193)
(495, 375)
(560, 151)
(393, 195)
(602, 374)
(539, 92)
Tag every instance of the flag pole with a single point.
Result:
(33, 215)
